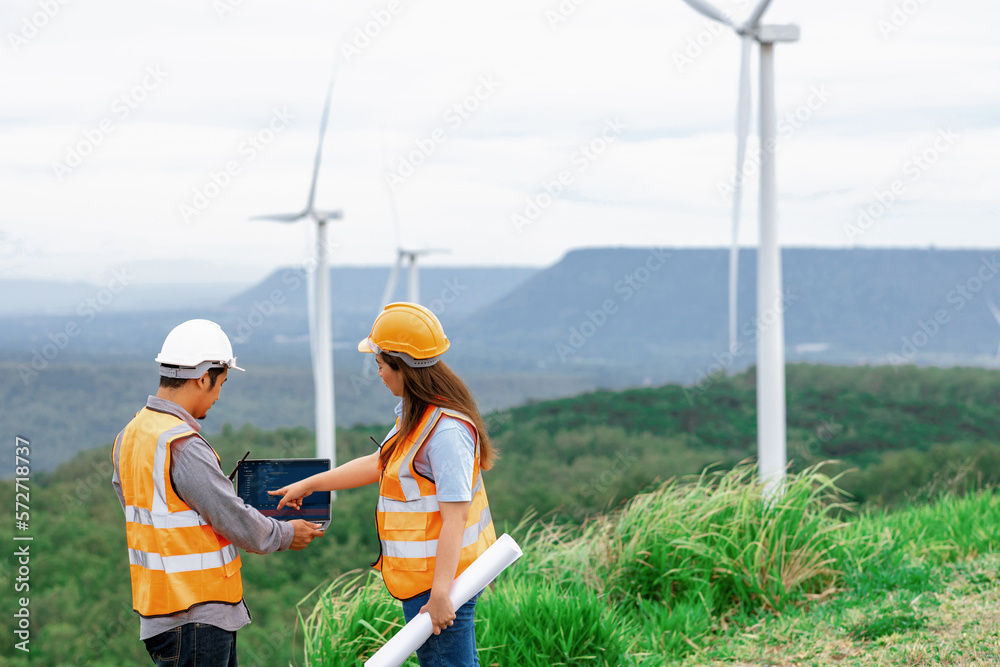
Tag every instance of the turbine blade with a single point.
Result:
(281, 217)
(755, 15)
(328, 215)
(392, 196)
(742, 129)
(711, 11)
(430, 251)
(390, 291)
(993, 309)
(322, 133)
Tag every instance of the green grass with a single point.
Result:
(351, 620)
(710, 571)
(525, 622)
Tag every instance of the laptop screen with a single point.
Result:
(256, 477)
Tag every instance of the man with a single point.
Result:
(184, 524)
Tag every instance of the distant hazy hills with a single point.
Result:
(630, 315)
(661, 314)
(598, 318)
(119, 294)
(456, 291)
(663, 308)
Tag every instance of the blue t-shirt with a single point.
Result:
(447, 458)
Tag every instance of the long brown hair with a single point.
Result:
(434, 385)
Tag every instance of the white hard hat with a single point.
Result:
(193, 347)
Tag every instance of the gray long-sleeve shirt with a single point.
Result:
(200, 482)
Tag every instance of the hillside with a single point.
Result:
(913, 435)
(29, 298)
(605, 318)
(637, 315)
(73, 406)
(708, 570)
(267, 320)
(357, 289)
(668, 308)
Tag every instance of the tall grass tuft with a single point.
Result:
(527, 622)
(719, 541)
(678, 567)
(951, 528)
(353, 617)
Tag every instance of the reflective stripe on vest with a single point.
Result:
(188, 563)
(397, 549)
(409, 520)
(176, 560)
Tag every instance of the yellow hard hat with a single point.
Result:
(408, 331)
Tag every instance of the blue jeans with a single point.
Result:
(456, 645)
(193, 645)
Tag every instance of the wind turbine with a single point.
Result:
(320, 334)
(771, 439)
(996, 315)
(402, 254)
(413, 274)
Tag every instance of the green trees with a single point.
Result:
(904, 434)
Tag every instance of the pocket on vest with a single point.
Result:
(408, 522)
(232, 568)
(408, 564)
(406, 535)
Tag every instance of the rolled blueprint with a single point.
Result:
(481, 572)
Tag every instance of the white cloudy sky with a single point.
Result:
(888, 80)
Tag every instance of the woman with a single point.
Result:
(433, 518)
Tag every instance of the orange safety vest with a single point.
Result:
(409, 521)
(176, 560)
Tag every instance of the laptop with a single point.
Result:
(255, 477)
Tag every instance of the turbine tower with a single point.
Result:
(320, 334)
(996, 315)
(771, 439)
(402, 254)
